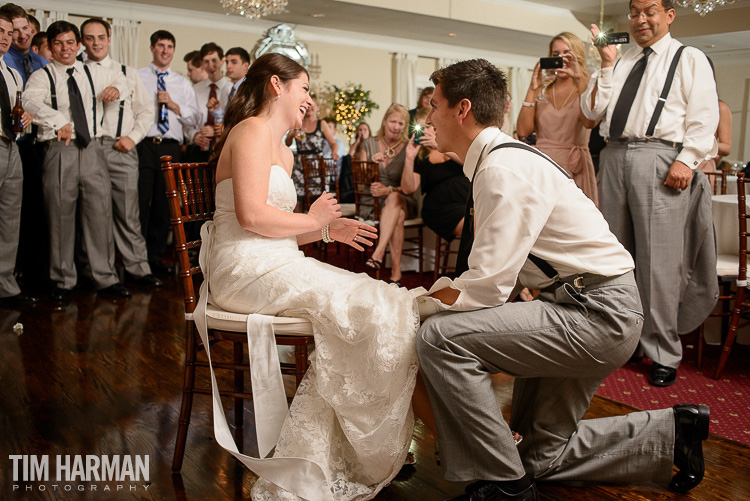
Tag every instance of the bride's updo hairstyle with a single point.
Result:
(253, 94)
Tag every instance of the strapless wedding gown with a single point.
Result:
(351, 415)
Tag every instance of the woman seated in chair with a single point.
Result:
(349, 427)
(387, 148)
(444, 185)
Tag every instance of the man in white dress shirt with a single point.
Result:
(125, 123)
(238, 61)
(165, 136)
(530, 226)
(11, 176)
(209, 94)
(647, 167)
(66, 100)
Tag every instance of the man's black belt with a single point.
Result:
(580, 281)
(161, 140)
(636, 140)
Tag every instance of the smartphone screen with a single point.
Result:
(550, 63)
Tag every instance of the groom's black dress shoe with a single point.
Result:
(691, 428)
(484, 490)
(661, 375)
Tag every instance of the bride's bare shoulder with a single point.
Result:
(250, 129)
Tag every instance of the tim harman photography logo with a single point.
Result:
(79, 473)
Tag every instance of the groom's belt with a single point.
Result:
(580, 281)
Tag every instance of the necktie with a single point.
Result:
(81, 125)
(211, 95)
(5, 108)
(27, 66)
(231, 93)
(627, 96)
(162, 126)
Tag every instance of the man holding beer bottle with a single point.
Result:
(11, 173)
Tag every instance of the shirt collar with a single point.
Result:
(477, 148)
(62, 68)
(155, 69)
(661, 46)
(104, 62)
(238, 83)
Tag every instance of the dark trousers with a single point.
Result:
(33, 246)
(152, 197)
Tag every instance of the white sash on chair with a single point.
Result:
(298, 475)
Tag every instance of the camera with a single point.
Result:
(418, 131)
(611, 38)
(550, 63)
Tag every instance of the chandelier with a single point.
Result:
(254, 9)
(703, 7)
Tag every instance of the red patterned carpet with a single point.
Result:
(728, 398)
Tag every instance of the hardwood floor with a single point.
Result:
(98, 377)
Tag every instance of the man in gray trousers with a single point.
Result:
(659, 111)
(65, 99)
(125, 123)
(11, 176)
(529, 225)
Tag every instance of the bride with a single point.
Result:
(348, 430)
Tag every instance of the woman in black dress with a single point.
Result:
(444, 185)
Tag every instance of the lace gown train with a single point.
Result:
(352, 413)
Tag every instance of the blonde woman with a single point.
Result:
(388, 149)
(555, 113)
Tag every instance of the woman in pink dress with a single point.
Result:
(555, 113)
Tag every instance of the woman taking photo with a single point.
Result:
(349, 427)
(554, 112)
(444, 185)
(387, 148)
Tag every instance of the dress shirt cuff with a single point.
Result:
(56, 122)
(692, 157)
(444, 283)
(605, 75)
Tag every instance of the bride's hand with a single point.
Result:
(325, 209)
(352, 232)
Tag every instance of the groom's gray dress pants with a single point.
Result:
(559, 347)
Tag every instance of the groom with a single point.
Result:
(533, 227)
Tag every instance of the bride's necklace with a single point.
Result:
(554, 101)
(390, 151)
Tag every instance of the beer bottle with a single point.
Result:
(16, 114)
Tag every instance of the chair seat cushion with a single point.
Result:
(237, 322)
(727, 265)
(417, 221)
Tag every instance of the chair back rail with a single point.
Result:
(364, 173)
(190, 197)
(718, 181)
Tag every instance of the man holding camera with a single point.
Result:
(659, 111)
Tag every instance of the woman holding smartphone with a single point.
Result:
(554, 111)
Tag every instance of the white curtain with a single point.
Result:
(446, 61)
(125, 35)
(47, 17)
(405, 80)
(519, 84)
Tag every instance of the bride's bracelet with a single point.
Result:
(326, 234)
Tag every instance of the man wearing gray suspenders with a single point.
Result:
(125, 123)
(66, 100)
(659, 111)
(529, 225)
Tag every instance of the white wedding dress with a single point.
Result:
(351, 415)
